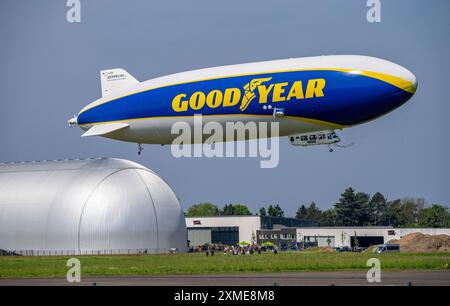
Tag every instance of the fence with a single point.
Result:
(87, 252)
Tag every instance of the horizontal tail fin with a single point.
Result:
(113, 80)
(103, 129)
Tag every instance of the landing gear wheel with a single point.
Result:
(331, 149)
(140, 149)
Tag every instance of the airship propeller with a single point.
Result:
(341, 146)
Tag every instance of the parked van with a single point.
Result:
(384, 248)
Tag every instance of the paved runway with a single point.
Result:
(426, 278)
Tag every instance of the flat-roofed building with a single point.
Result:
(232, 229)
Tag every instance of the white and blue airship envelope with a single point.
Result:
(305, 95)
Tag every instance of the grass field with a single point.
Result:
(198, 263)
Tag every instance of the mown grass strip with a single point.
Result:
(198, 263)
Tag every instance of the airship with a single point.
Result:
(309, 97)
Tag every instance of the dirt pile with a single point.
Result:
(420, 243)
(327, 250)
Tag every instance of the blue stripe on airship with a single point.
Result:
(348, 99)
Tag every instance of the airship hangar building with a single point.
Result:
(92, 206)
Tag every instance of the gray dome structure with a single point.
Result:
(91, 206)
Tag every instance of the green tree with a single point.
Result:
(434, 216)
(262, 211)
(410, 210)
(352, 208)
(348, 208)
(202, 210)
(392, 215)
(241, 210)
(329, 218)
(301, 212)
(362, 204)
(253, 238)
(275, 211)
(377, 210)
(355, 240)
(313, 212)
(271, 210)
(228, 210)
(235, 210)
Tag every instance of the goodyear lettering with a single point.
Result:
(178, 104)
(296, 91)
(231, 97)
(315, 88)
(259, 89)
(214, 99)
(264, 92)
(197, 100)
(278, 92)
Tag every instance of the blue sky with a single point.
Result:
(51, 70)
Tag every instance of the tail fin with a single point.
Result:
(113, 80)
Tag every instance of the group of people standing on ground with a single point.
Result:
(246, 250)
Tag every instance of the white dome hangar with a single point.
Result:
(91, 206)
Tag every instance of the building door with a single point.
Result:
(225, 235)
(199, 236)
(366, 241)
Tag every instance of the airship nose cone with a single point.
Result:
(411, 78)
(406, 79)
(377, 87)
(405, 85)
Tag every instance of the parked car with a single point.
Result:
(343, 249)
(384, 248)
(284, 247)
(294, 247)
(359, 249)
